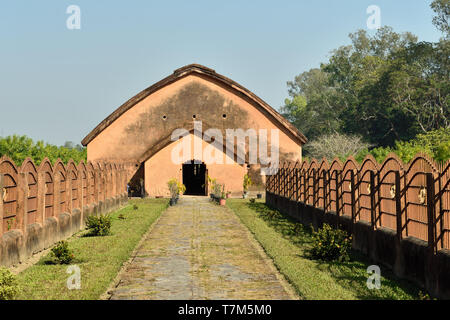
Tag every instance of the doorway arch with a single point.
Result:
(195, 178)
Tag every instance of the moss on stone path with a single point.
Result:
(99, 258)
(287, 242)
(198, 250)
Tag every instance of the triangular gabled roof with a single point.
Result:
(201, 70)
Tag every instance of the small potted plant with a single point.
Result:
(181, 189)
(247, 182)
(217, 191)
(222, 199)
(211, 183)
(174, 191)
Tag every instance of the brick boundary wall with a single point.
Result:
(42, 205)
(398, 214)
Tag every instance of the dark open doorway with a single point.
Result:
(194, 178)
(136, 185)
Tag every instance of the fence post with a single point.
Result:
(2, 185)
(325, 190)
(22, 197)
(352, 193)
(286, 182)
(292, 183)
(278, 183)
(337, 193)
(302, 186)
(104, 185)
(68, 192)
(431, 211)
(40, 213)
(80, 192)
(398, 205)
(314, 188)
(441, 211)
(279, 186)
(56, 194)
(97, 181)
(372, 200)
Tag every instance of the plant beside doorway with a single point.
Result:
(216, 189)
(218, 193)
(247, 183)
(222, 199)
(176, 188)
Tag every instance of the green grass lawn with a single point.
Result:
(287, 242)
(99, 258)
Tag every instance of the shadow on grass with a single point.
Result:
(348, 274)
(292, 230)
(51, 260)
(91, 234)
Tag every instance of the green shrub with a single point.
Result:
(298, 228)
(135, 207)
(216, 188)
(62, 253)
(176, 188)
(435, 143)
(9, 286)
(99, 226)
(18, 148)
(425, 296)
(330, 244)
(247, 182)
(252, 200)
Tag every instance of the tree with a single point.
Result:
(312, 107)
(385, 88)
(334, 145)
(18, 148)
(442, 10)
(69, 145)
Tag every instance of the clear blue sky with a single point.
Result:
(58, 84)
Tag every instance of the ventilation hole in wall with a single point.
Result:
(194, 116)
(224, 116)
(164, 117)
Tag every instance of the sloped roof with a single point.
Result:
(201, 70)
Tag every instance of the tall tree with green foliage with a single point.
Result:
(18, 148)
(386, 87)
(441, 20)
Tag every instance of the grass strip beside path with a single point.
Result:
(287, 242)
(99, 258)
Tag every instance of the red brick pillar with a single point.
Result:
(68, 182)
(22, 197)
(56, 194)
(40, 213)
(2, 194)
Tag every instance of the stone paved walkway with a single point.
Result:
(198, 250)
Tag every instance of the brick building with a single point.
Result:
(139, 133)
